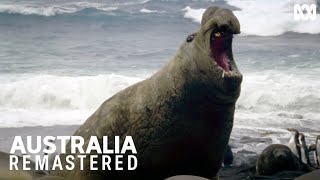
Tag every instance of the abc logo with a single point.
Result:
(305, 12)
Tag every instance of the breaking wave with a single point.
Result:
(53, 10)
(61, 92)
(265, 18)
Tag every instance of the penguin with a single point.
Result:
(228, 157)
(317, 151)
(294, 141)
(304, 149)
(312, 148)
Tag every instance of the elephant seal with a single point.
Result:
(294, 142)
(304, 149)
(278, 158)
(181, 117)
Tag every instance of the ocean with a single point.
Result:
(59, 60)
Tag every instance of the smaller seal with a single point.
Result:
(278, 158)
(304, 149)
(294, 141)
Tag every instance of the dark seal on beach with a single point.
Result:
(181, 117)
(279, 158)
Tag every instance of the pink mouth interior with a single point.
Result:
(219, 52)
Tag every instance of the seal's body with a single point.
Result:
(180, 118)
(277, 158)
(304, 149)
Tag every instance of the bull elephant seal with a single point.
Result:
(278, 158)
(181, 117)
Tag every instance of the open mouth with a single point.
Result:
(220, 44)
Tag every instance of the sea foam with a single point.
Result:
(53, 10)
(265, 18)
(34, 96)
(46, 100)
(276, 91)
(144, 10)
(61, 92)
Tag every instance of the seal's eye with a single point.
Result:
(190, 38)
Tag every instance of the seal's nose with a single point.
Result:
(228, 25)
(225, 28)
(222, 18)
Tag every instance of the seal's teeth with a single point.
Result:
(222, 74)
(217, 34)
